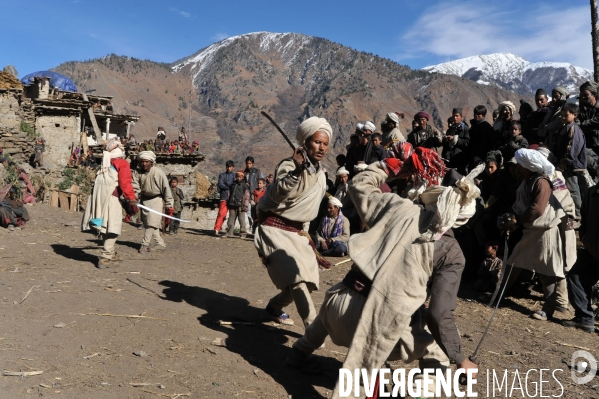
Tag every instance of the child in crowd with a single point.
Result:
(258, 193)
(239, 201)
(378, 153)
(178, 205)
(489, 270)
(514, 141)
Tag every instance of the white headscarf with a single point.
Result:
(334, 201)
(499, 122)
(342, 171)
(369, 126)
(310, 126)
(453, 206)
(360, 126)
(534, 161)
(147, 156)
(393, 117)
(112, 149)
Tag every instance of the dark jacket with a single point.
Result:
(589, 123)
(178, 197)
(225, 180)
(377, 154)
(511, 145)
(448, 265)
(457, 155)
(589, 228)
(482, 137)
(251, 177)
(238, 189)
(427, 138)
(570, 148)
(530, 128)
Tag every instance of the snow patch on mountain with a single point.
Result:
(287, 44)
(515, 73)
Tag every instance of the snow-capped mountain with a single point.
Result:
(513, 72)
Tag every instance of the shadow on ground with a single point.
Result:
(261, 345)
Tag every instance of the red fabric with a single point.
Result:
(124, 170)
(272, 220)
(427, 165)
(259, 194)
(222, 214)
(375, 393)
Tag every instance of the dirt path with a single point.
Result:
(62, 316)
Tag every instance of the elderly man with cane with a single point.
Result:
(152, 187)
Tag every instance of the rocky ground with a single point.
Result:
(148, 328)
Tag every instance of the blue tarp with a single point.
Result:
(56, 80)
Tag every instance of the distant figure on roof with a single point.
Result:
(161, 135)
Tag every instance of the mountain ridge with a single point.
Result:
(220, 90)
(512, 72)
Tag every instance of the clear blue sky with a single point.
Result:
(41, 34)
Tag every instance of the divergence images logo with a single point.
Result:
(578, 367)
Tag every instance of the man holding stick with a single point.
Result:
(151, 184)
(292, 201)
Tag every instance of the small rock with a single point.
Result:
(467, 336)
(140, 353)
(256, 371)
(219, 342)
(104, 384)
(211, 351)
(60, 325)
(161, 386)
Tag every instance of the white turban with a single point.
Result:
(334, 201)
(510, 105)
(393, 117)
(453, 206)
(360, 126)
(310, 126)
(534, 161)
(369, 126)
(112, 149)
(342, 171)
(360, 167)
(147, 156)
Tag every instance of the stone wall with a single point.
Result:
(9, 109)
(17, 144)
(60, 132)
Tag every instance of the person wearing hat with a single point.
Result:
(333, 231)
(552, 123)
(538, 222)
(589, 115)
(531, 124)
(104, 212)
(455, 143)
(392, 134)
(238, 204)
(152, 187)
(425, 134)
(376, 311)
(290, 203)
(501, 124)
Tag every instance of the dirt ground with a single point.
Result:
(62, 316)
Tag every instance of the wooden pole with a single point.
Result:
(595, 37)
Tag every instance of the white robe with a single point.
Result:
(290, 258)
(102, 204)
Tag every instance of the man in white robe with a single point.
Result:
(290, 203)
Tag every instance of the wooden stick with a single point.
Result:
(90, 356)
(234, 323)
(132, 316)
(342, 262)
(144, 384)
(27, 294)
(573, 346)
(21, 373)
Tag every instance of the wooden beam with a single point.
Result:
(92, 117)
